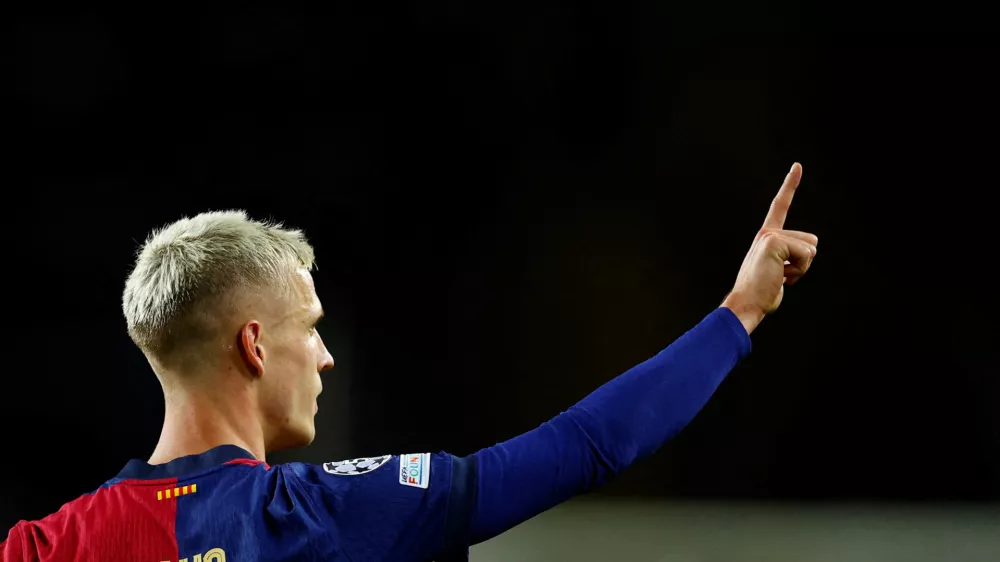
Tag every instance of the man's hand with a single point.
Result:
(776, 257)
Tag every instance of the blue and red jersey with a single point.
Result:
(224, 504)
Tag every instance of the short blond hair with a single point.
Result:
(186, 270)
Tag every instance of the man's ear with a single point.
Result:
(251, 349)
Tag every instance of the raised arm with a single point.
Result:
(634, 414)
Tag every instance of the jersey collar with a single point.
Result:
(138, 469)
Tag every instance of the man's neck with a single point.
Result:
(198, 421)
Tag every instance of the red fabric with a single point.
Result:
(10, 549)
(249, 462)
(123, 522)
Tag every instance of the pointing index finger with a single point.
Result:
(783, 200)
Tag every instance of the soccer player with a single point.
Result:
(225, 310)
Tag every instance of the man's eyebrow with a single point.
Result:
(313, 319)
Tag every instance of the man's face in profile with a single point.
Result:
(293, 355)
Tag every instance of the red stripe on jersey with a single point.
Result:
(249, 462)
(126, 521)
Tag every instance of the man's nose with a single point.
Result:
(327, 362)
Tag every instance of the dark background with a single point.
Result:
(510, 207)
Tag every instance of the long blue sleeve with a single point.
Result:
(624, 420)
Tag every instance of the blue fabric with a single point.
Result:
(301, 511)
(433, 506)
(624, 420)
(212, 458)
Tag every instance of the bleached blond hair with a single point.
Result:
(188, 271)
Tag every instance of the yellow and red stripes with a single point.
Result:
(175, 492)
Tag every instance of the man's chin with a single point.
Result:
(294, 439)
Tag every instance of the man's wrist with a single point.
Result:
(750, 316)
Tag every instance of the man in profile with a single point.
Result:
(225, 310)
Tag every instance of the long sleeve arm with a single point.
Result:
(624, 420)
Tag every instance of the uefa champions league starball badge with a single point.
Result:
(354, 467)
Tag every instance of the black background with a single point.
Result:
(510, 207)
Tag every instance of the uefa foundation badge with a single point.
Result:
(415, 470)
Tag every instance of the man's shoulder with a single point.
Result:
(85, 521)
(406, 470)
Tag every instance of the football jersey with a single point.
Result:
(223, 505)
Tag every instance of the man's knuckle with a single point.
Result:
(770, 239)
